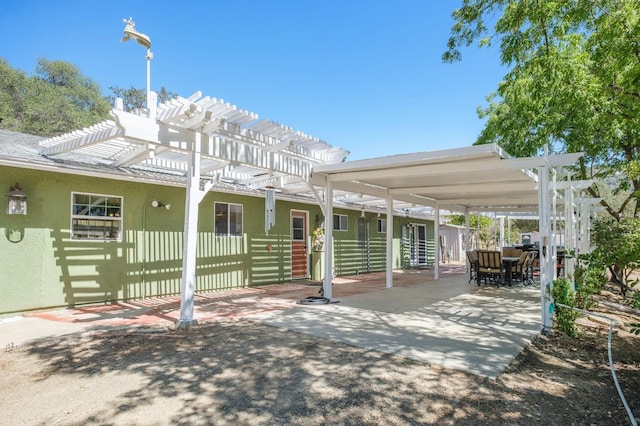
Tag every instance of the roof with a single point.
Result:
(476, 178)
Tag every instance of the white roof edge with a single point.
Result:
(412, 158)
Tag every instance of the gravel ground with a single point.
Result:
(241, 373)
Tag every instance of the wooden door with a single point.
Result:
(299, 237)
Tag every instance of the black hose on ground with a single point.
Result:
(314, 300)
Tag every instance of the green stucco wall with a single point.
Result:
(41, 266)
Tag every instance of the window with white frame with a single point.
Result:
(340, 222)
(382, 226)
(96, 217)
(228, 219)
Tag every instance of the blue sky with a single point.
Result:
(365, 76)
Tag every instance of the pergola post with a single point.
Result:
(546, 264)
(327, 283)
(570, 234)
(191, 208)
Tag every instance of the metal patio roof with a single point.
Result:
(476, 178)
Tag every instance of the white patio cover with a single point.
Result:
(477, 178)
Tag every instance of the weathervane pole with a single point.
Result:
(144, 41)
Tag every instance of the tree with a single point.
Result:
(617, 246)
(133, 98)
(12, 88)
(573, 84)
(483, 230)
(58, 99)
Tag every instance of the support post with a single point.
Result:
(192, 202)
(467, 245)
(546, 265)
(467, 225)
(327, 283)
(436, 233)
(149, 57)
(389, 268)
(570, 234)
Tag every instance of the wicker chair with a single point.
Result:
(489, 267)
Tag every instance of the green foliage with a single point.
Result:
(525, 225)
(133, 98)
(483, 229)
(474, 221)
(12, 88)
(573, 82)
(56, 100)
(565, 317)
(588, 282)
(617, 247)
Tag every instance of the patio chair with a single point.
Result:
(528, 268)
(472, 257)
(489, 267)
(519, 270)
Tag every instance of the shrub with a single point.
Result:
(589, 281)
(563, 293)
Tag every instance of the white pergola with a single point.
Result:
(202, 143)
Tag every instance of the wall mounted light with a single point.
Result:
(362, 212)
(17, 201)
(155, 203)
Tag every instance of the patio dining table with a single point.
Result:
(508, 263)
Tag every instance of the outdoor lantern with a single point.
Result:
(17, 201)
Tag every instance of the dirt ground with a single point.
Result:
(241, 373)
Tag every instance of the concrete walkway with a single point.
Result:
(446, 322)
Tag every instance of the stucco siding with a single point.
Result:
(42, 266)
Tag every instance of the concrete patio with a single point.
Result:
(447, 322)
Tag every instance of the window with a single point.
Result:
(96, 217)
(228, 219)
(382, 226)
(340, 222)
(297, 228)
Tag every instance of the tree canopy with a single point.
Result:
(133, 98)
(573, 83)
(57, 99)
